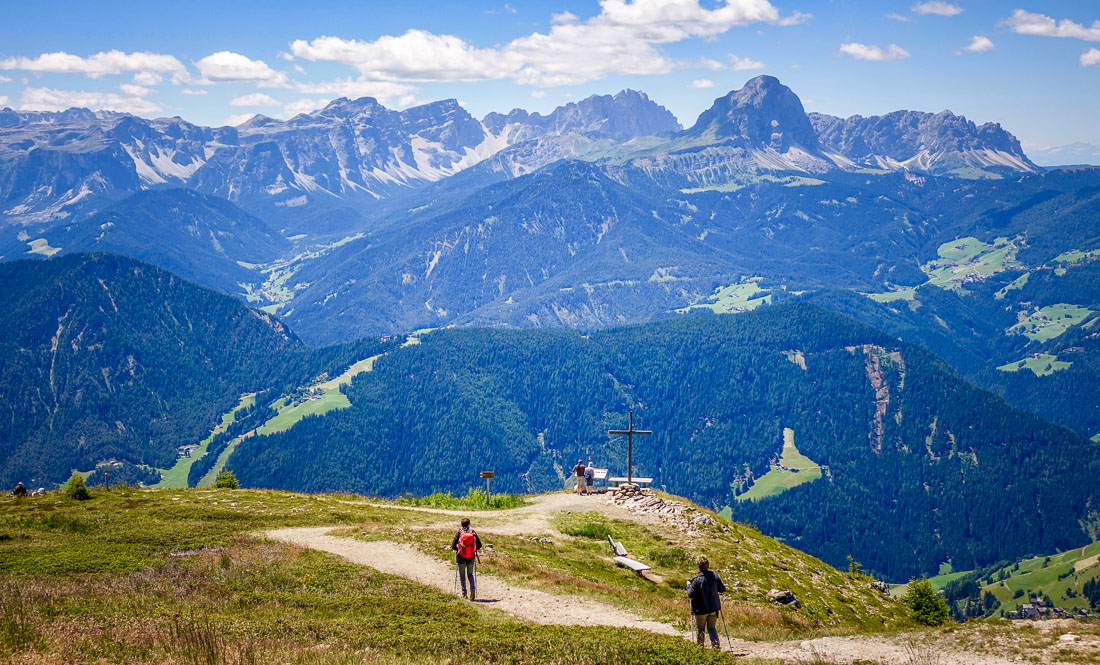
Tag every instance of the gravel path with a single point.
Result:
(528, 604)
(545, 608)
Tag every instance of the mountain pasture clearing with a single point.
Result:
(1048, 322)
(177, 475)
(1043, 364)
(793, 470)
(733, 298)
(969, 259)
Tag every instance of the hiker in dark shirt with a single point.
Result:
(19, 490)
(578, 471)
(703, 590)
(466, 545)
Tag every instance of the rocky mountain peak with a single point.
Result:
(763, 114)
(938, 141)
(625, 115)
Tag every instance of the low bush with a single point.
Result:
(926, 606)
(76, 489)
(226, 480)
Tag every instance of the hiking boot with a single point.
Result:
(471, 595)
(463, 595)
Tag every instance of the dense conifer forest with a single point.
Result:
(918, 466)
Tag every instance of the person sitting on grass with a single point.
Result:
(466, 545)
(19, 492)
(703, 590)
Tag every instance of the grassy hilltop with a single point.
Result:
(188, 576)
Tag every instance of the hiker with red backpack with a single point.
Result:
(466, 545)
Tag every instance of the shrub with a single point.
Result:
(76, 489)
(474, 500)
(227, 480)
(925, 604)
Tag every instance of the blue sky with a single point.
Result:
(1032, 66)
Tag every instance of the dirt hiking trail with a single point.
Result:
(529, 604)
(545, 608)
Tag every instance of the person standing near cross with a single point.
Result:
(630, 432)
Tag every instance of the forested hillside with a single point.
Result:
(103, 357)
(916, 463)
(200, 238)
(1027, 334)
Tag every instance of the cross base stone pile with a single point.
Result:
(645, 501)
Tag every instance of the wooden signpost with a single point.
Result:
(487, 475)
(630, 432)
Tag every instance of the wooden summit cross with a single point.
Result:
(630, 432)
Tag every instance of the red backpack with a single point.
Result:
(467, 544)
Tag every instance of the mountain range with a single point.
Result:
(342, 159)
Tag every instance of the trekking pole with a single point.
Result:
(456, 578)
(726, 630)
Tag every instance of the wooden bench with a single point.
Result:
(616, 547)
(619, 480)
(636, 566)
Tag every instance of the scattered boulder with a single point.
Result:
(785, 598)
(881, 587)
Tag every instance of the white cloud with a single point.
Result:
(238, 119)
(147, 78)
(621, 39)
(900, 17)
(538, 94)
(255, 99)
(4, 79)
(701, 83)
(417, 55)
(49, 99)
(744, 64)
(283, 55)
(100, 64)
(3, 101)
(872, 52)
(979, 44)
(1026, 23)
(192, 91)
(135, 90)
(230, 67)
(305, 106)
(1090, 58)
(937, 8)
(384, 91)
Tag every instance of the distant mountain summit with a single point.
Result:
(920, 141)
(763, 126)
(581, 129)
(1074, 154)
(765, 114)
(626, 115)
